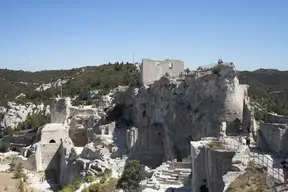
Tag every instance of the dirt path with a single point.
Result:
(7, 182)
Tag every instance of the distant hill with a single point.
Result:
(75, 81)
(268, 87)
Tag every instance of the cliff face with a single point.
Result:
(170, 113)
(219, 163)
(273, 134)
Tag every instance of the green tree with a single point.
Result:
(132, 175)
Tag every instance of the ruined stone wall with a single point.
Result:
(153, 70)
(273, 137)
(210, 165)
(183, 111)
(59, 109)
(54, 135)
(272, 118)
(50, 156)
(68, 170)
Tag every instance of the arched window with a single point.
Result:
(52, 141)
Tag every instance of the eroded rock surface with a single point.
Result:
(171, 112)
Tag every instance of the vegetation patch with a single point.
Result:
(216, 145)
(253, 180)
(89, 179)
(132, 175)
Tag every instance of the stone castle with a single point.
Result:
(152, 70)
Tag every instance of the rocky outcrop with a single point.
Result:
(17, 113)
(273, 134)
(171, 112)
(217, 162)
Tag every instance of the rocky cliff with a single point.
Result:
(217, 162)
(273, 134)
(15, 113)
(169, 113)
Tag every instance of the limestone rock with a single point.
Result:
(217, 162)
(17, 113)
(168, 113)
(273, 137)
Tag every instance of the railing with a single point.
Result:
(262, 159)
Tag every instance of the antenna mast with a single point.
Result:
(61, 90)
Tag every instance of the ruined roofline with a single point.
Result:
(162, 60)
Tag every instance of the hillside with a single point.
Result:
(268, 87)
(42, 85)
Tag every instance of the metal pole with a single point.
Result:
(61, 90)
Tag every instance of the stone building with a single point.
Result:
(152, 70)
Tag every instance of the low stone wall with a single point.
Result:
(273, 118)
(273, 137)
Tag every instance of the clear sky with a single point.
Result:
(55, 34)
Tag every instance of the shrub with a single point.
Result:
(108, 172)
(94, 187)
(216, 69)
(89, 179)
(86, 189)
(5, 146)
(19, 173)
(132, 175)
(100, 174)
(259, 114)
(21, 186)
(72, 187)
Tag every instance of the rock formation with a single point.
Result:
(273, 134)
(17, 113)
(153, 124)
(170, 113)
(217, 162)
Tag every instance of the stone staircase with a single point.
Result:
(170, 176)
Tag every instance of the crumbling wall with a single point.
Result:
(273, 118)
(209, 164)
(27, 163)
(78, 136)
(50, 156)
(273, 137)
(59, 109)
(183, 111)
(153, 70)
(69, 171)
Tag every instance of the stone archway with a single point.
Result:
(52, 141)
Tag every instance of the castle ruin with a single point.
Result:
(152, 70)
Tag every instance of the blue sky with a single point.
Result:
(55, 34)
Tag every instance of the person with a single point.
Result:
(248, 141)
(203, 187)
(240, 130)
(285, 168)
(248, 128)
